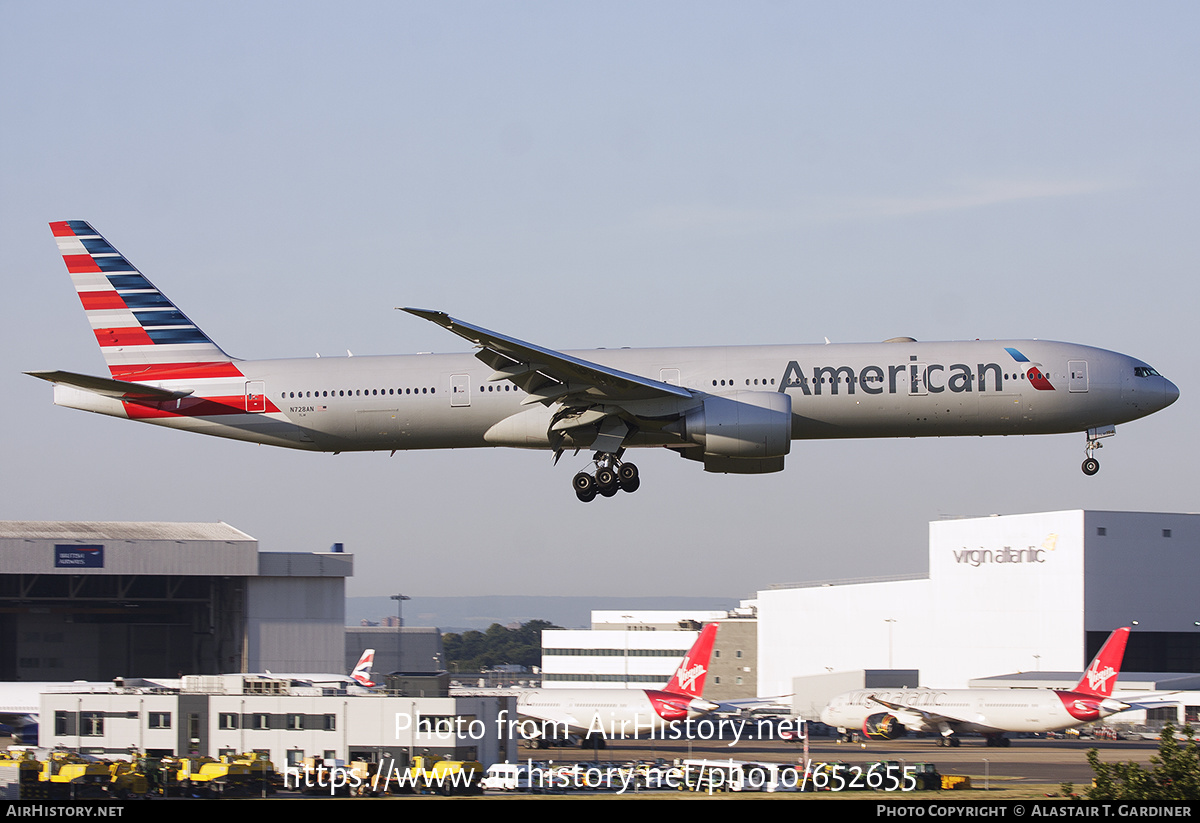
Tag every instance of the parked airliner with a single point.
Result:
(888, 714)
(608, 713)
(734, 410)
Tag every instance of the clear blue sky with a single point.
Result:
(601, 174)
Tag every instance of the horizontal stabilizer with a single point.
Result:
(120, 389)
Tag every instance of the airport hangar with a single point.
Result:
(96, 601)
(1027, 593)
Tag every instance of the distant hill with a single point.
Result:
(458, 614)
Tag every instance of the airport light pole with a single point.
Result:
(400, 598)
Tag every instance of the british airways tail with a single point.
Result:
(362, 672)
(689, 678)
(141, 333)
(1101, 675)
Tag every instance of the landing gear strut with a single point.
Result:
(1092, 465)
(611, 476)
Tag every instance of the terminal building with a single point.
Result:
(1028, 593)
(1020, 601)
(642, 649)
(285, 719)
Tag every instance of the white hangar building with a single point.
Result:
(1016, 593)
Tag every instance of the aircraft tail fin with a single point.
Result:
(362, 671)
(141, 333)
(693, 670)
(1101, 674)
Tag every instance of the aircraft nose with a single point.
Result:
(1170, 392)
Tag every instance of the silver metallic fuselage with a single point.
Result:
(894, 389)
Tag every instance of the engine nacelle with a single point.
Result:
(744, 425)
(883, 726)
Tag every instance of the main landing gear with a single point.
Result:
(611, 476)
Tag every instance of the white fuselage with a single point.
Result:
(431, 401)
(612, 713)
(985, 711)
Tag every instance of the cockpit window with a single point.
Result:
(1144, 371)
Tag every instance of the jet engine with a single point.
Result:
(883, 726)
(746, 432)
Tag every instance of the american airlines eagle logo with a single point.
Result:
(688, 674)
(1037, 376)
(1098, 678)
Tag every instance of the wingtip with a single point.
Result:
(439, 317)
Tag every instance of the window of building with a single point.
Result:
(1166, 532)
(227, 721)
(331, 722)
(64, 723)
(160, 720)
(1101, 531)
(261, 721)
(295, 722)
(91, 724)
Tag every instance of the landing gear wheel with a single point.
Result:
(1091, 466)
(585, 487)
(606, 479)
(627, 476)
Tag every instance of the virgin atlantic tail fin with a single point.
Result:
(689, 677)
(1101, 675)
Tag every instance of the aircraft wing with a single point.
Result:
(591, 395)
(514, 359)
(120, 389)
(932, 718)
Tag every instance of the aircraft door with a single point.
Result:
(460, 390)
(256, 396)
(917, 375)
(1078, 371)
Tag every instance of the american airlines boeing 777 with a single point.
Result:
(732, 409)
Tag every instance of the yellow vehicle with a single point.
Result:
(445, 777)
(262, 772)
(67, 775)
(126, 779)
(28, 771)
(207, 777)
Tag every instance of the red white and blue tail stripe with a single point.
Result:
(142, 334)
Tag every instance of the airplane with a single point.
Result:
(887, 715)
(357, 682)
(597, 714)
(734, 410)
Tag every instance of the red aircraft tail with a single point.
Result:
(1101, 675)
(689, 677)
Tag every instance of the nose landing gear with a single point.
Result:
(611, 476)
(1092, 465)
